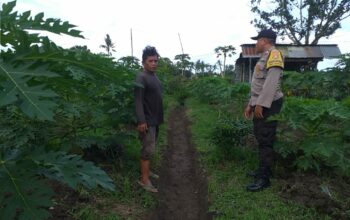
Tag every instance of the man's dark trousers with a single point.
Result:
(265, 133)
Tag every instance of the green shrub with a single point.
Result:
(229, 134)
(320, 85)
(216, 90)
(178, 87)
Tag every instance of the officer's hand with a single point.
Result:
(142, 127)
(248, 112)
(258, 111)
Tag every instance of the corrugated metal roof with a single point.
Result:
(303, 52)
(249, 51)
(296, 51)
(330, 52)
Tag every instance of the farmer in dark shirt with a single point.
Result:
(149, 112)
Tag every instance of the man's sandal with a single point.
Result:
(148, 187)
(153, 175)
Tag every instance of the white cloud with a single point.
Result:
(203, 25)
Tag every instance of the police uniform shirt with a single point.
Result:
(266, 81)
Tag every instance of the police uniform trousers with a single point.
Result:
(265, 133)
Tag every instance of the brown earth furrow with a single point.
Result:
(183, 189)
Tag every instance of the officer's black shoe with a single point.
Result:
(258, 184)
(253, 173)
(258, 172)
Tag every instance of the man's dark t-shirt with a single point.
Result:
(148, 99)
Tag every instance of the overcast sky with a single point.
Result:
(202, 25)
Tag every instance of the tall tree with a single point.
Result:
(219, 64)
(202, 69)
(199, 67)
(130, 62)
(109, 45)
(302, 21)
(225, 51)
(210, 69)
(184, 63)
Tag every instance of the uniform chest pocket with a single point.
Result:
(260, 71)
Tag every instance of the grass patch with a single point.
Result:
(129, 201)
(227, 179)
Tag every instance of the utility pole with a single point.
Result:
(132, 45)
(182, 57)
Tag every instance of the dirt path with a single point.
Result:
(183, 186)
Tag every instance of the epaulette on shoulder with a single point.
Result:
(275, 59)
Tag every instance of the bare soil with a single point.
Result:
(330, 197)
(65, 199)
(183, 187)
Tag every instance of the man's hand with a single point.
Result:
(248, 112)
(142, 128)
(258, 113)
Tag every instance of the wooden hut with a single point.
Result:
(297, 58)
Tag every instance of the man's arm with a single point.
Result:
(139, 96)
(268, 92)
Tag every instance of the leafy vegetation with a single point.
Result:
(225, 51)
(54, 102)
(178, 88)
(60, 105)
(215, 90)
(183, 64)
(319, 85)
(227, 178)
(313, 132)
(230, 134)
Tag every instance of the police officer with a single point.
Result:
(265, 100)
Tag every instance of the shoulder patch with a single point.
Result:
(275, 59)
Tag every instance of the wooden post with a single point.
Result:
(132, 44)
(182, 57)
(250, 69)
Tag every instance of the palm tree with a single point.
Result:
(109, 45)
(225, 51)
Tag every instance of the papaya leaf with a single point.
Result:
(13, 21)
(7, 8)
(339, 111)
(72, 170)
(33, 100)
(318, 147)
(76, 73)
(306, 163)
(23, 193)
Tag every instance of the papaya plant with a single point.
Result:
(333, 83)
(53, 101)
(312, 131)
(215, 90)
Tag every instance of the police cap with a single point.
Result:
(266, 33)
